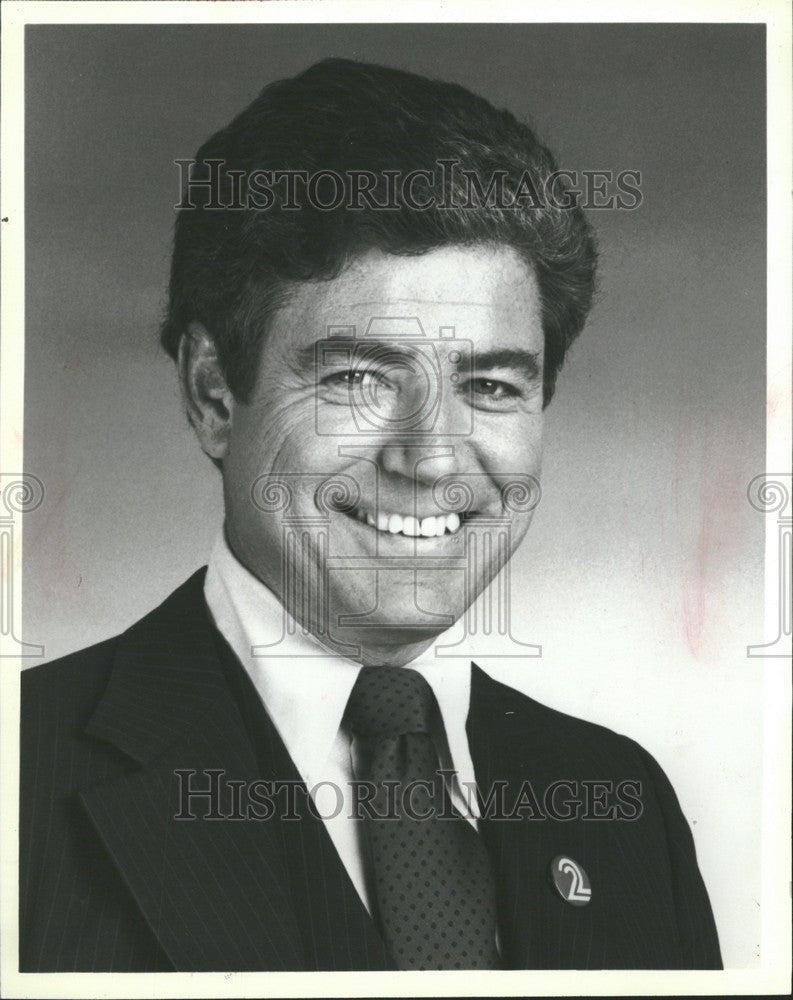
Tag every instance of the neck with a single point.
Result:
(393, 656)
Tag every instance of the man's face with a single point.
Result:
(365, 478)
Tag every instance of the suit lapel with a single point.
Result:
(525, 745)
(490, 717)
(338, 933)
(215, 892)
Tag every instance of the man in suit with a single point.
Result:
(375, 280)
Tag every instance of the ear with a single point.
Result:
(207, 398)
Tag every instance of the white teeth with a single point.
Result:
(433, 526)
(428, 527)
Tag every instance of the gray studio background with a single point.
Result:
(642, 574)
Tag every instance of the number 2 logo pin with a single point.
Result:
(570, 881)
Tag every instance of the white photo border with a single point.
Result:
(773, 976)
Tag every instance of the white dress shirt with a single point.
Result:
(304, 688)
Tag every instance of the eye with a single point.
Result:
(492, 388)
(347, 379)
(494, 394)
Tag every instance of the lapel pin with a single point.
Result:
(571, 881)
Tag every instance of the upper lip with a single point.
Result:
(428, 526)
(408, 509)
(416, 507)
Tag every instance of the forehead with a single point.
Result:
(488, 295)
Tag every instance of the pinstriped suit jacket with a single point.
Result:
(110, 881)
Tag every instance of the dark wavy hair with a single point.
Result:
(232, 267)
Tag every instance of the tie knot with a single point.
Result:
(389, 701)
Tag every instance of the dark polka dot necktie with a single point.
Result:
(435, 896)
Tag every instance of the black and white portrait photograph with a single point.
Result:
(395, 499)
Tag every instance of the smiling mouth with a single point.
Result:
(432, 526)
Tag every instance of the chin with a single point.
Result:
(389, 645)
(399, 624)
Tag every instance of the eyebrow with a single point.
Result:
(525, 362)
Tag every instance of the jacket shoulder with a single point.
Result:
(79, 678)
(644, 851)
(67, 684)
(538, 728)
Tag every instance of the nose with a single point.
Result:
(432, 438)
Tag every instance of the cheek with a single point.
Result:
(528, 443)
(513, 448)
(275, 463)
(520, 525)
(279, 438)
(514, 465)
